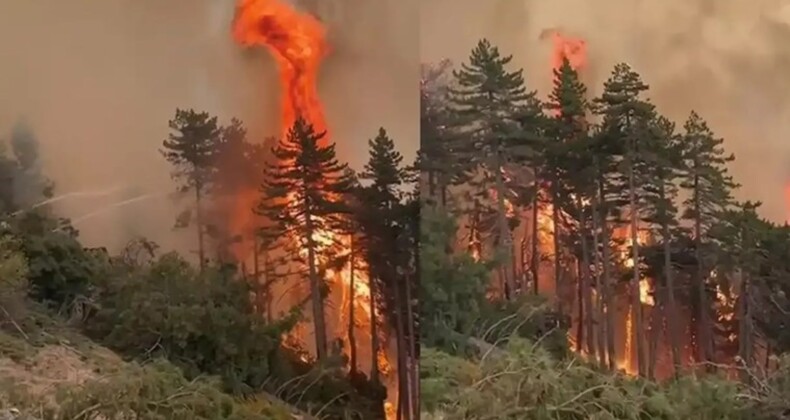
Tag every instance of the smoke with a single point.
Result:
(98, 81)
(728, 60)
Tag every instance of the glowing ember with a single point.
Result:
(546, 230)
(645, 291)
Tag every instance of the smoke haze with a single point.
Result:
(728, 60)
(98, 81)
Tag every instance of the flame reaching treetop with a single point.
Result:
(298, 43)
(570, 48)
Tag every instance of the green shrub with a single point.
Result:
(203, 323)
(59, 268)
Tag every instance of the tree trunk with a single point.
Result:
(555, 220)
(256, 274)
(513, 272)
(608, 290)
(745, 345)
(670, 310)
(404, 399)
(655, 332)
(636, 303)
(268, 287)
(535, 237)
(319, 324)
(704, 339)
(352, 342)
(431, 184)
(599, 315)
(412, 374)
(199, 222)
(586, 294)
(504, 230)
(580, 332)
(374, 334)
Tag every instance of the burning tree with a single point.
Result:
(487, 100)
(387, 222)
(626, 119)
(663, 168)
(302, 189)
(711, 187)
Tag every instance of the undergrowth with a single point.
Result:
(524, 381)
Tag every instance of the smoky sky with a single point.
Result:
(728, 60)
(97, 82)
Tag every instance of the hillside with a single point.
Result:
(145, 335)
(50, 371)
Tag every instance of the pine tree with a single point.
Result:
(487, 99)
(771, 289)
(233, 160)
(710, 189)
(568, 172)
(191, 149)
(239, 168)
(354, 260)
(626, 125)
(30, 186)
(436, 158)
(739, 234)
(408, 243)
(302, 193)
(529, 146)
(381, 201)
(663, 168)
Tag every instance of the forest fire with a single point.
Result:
(653, 314)
(574, 51)
(297, 41)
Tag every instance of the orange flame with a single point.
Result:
(570, 48)
(298, 43)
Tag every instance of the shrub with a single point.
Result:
(60, 269)
(203, 323)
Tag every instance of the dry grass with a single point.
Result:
(526, 382)
(50, 377)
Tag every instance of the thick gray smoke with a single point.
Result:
(98, 81)
(729, 60)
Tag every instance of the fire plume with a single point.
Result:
(297, 41)
(570, 48)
